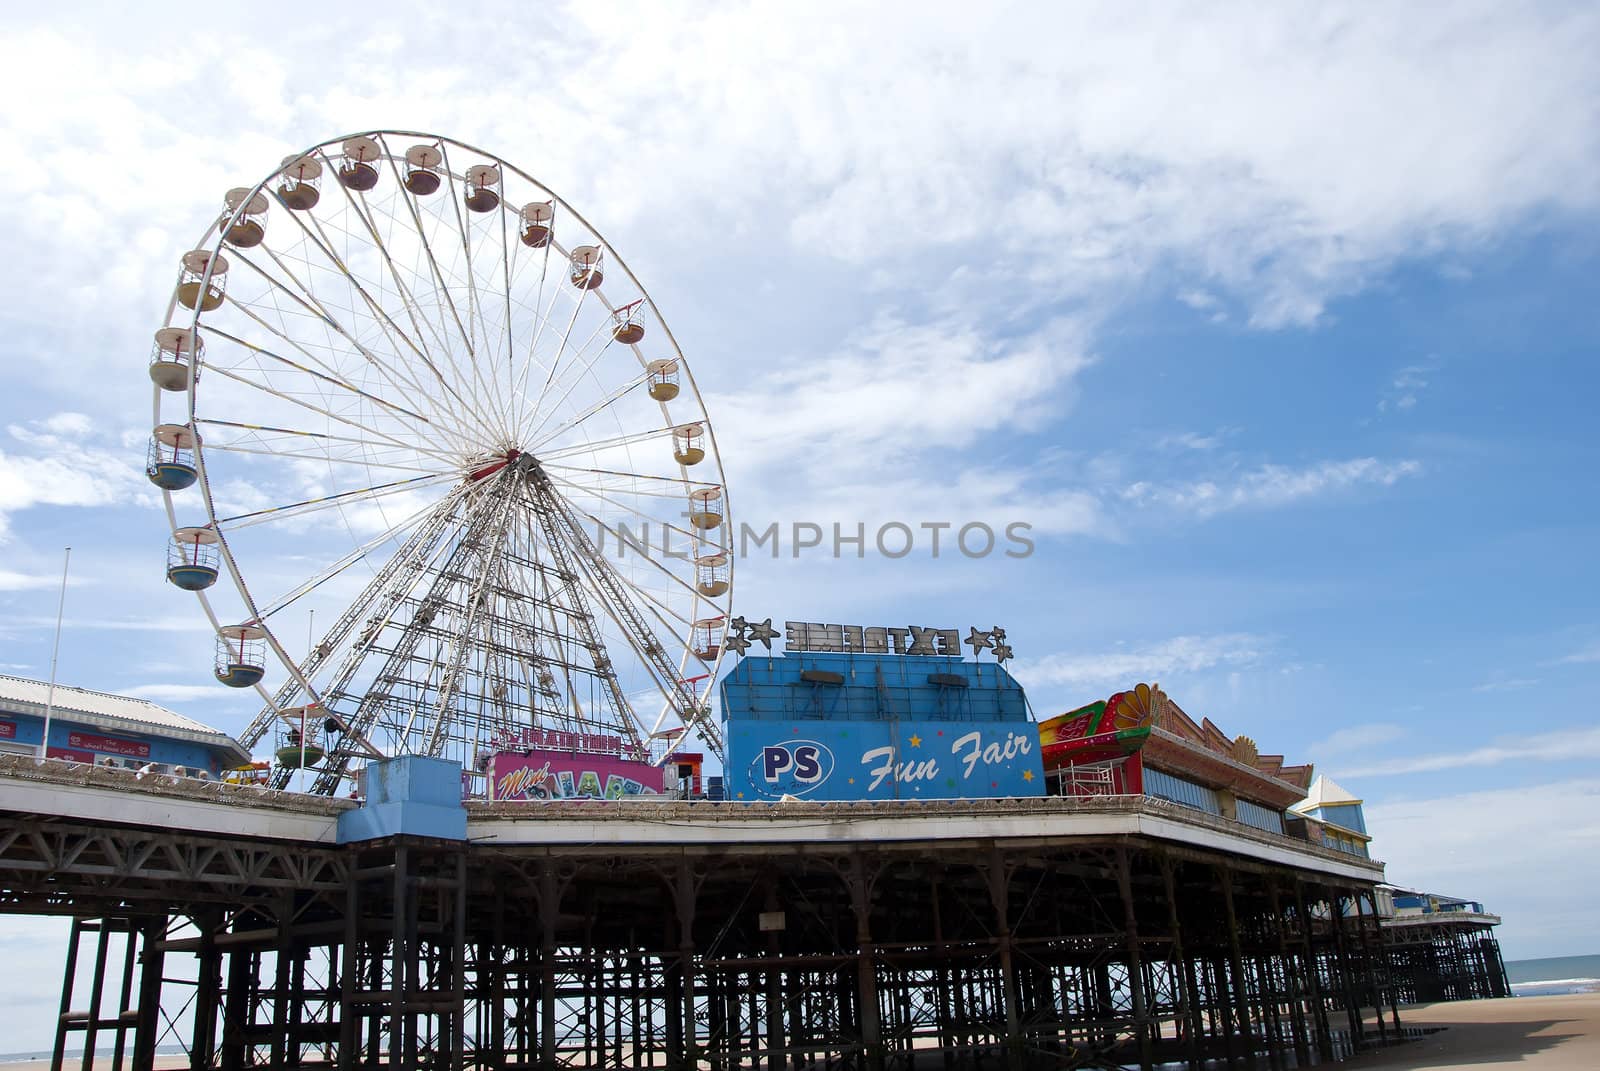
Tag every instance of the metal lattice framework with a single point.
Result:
(420, 392)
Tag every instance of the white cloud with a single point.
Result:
(1355, 738)
(14, 581)
(188, 693)
(1582, 656)
(1186, 654)
(1407, 386)
(1565, 745)
(1529, 853)
(895, 391)
(1189, 440)
(1506, 684)
(188, 622)
(63, 463)
(1270, 486)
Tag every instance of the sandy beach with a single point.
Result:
(1555, 1033)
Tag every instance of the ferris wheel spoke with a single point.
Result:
(408, 300)
(592, 411)
(444, 290)
(679, 486)
(239, 377)
(363, 463)
(694, 538)
(261, 431)
(577, 356)
(262, 351)
(474, 302)
(520, 382)
(618, 535)
(316, 234)
(337, 568)
(312, 505)
(329, 414)
(603, 444)
(318, 309)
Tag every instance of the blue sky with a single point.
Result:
(1279, 328)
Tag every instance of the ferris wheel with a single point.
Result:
(401, 376)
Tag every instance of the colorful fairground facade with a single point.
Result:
(1140, 742)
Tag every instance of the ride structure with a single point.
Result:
(402, 381)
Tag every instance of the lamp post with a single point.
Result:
(55, 651)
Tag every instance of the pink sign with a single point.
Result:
(8, 730)
(109, 745)
(560, 775)
(70, 754)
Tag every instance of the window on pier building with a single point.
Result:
(1340, 842)
(1165, 786)
(1254, 814)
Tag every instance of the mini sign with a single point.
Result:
(108, 745)
(801, 637)
(8, 730)
(558, 740)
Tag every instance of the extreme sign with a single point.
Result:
(816, 637)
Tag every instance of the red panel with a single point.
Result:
(70, 754)
(1133, 774)
(8, 730)
(109, 745)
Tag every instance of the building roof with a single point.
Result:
(1168, 750)
(1283, 783)
(1325, 792)
(107, 711)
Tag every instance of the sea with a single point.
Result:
(1558, 974)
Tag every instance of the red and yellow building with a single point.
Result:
(1139, 742)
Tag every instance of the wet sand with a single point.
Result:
(1555, 1033)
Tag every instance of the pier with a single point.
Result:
(1047, 932)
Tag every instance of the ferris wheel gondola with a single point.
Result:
(431, 384)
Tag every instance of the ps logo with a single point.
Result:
(798, 766)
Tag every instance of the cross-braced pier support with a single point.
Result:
(448, 956)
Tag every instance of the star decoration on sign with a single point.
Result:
(1027, 775)
(916, 741)
(980, 641)
(736, 642)
(1002, 651)
(764, 632)
(998, 633)
(738, 624)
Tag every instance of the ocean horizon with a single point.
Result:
(1554, 974)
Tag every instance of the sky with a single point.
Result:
(1277, 327)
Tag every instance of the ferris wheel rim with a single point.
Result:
(215, 243)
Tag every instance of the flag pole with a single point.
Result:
(311, 639)
(55, 652)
